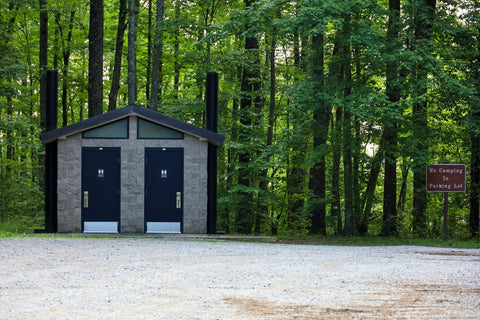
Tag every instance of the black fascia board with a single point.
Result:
(148, 114)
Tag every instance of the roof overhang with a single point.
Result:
(132, 110)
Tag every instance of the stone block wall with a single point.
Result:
(132, 180)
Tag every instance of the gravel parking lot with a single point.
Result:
(155, 278)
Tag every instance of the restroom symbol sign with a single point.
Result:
(163, 173)
(100, 173)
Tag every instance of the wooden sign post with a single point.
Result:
(446, 178)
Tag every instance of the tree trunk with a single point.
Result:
(475, 179)
(132, 52)
(357, 172)
(176, 53)
(336, 141)
(369, 195)
(157, 56)
(10, 141)
(295, 189)
(56, 46)
(390, 125)
(390, 182)
(250, 87)
(348, 174)
(117, 65)
(360, 81)
(66, 60)
(475, 158)
(347, 131)
(336, 206)
(43, 64)
(149, 51)
(402, 197)
(95, 59)
(262, 207)
(43, 60)
(321, 119)
(424, 16)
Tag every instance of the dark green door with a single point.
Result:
(163, 190)
(100, 189)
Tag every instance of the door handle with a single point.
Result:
(85, 199)
(179, 200)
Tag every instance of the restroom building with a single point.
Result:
(131, 170)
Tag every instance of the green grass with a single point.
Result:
(26, 228)
(11, 228)
(208, 240)
(381, 241)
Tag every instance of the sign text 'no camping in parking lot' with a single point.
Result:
(446, 178)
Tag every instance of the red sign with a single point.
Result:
(446, 178)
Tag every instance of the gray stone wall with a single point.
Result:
(69, 214)
(132, 180)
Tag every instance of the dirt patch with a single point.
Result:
(270, 310)
(406, 301)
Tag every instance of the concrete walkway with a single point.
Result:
(174, 236)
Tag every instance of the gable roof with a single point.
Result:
(154, 116)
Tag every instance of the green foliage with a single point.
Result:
(20, 194)
(381, 241)
(21, 225)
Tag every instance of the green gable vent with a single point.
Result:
(114, 130)
(150, 130)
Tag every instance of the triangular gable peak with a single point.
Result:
(111, 120)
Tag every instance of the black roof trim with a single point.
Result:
(212, 137)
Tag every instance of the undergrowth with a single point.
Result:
(9, 229)
(381, 241)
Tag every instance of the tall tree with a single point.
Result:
(117, 65)
(335, 74)
(249, 105)
(321, 119)
(149, 51)
(393, 46)
(264, 180)
(95, 59)
(176, 52)
(66, 53)
(347, 128)
(132, 52)
(475, 158)
(368, 198)
(157, 56)
(423, 18)
(43, 60)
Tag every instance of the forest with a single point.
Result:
(332, 110)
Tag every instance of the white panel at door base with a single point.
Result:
(163, 227)
(100, 227)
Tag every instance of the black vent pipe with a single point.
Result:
(51, 153)
(51, 100)
(212, 101)
(212, 123)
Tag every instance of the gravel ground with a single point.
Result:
(154, 278)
